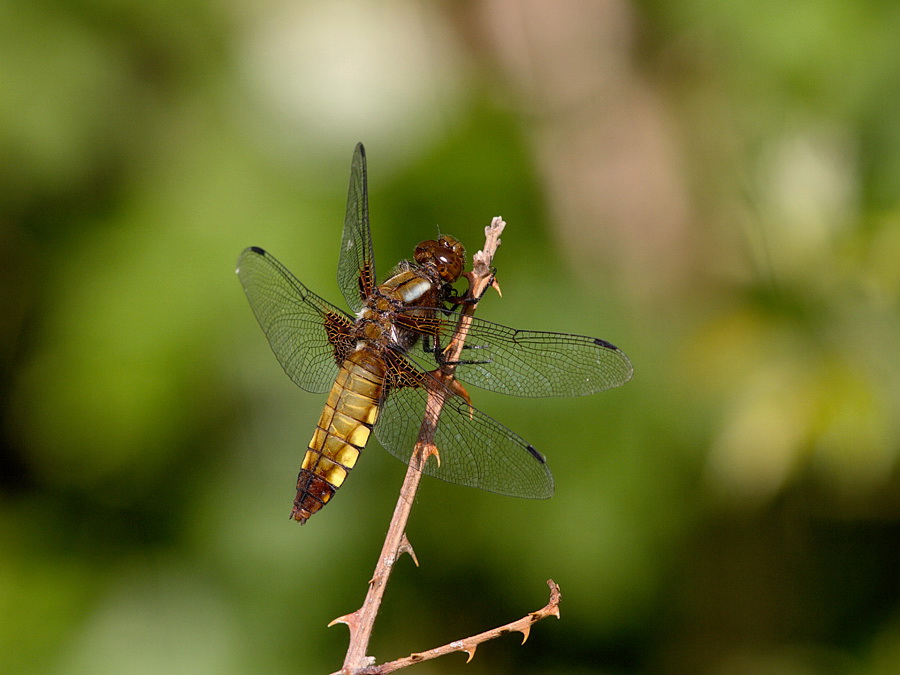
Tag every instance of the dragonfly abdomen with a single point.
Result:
(342, 432)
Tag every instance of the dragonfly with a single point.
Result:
(379, 363)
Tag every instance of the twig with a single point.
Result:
(470, 644)
(362, 620)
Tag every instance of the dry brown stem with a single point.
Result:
(361, 622)
(470, 644)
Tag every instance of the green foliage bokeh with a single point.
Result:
(732, 509)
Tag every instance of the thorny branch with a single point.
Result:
(362, 620)
(470, 644)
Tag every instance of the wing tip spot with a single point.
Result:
(604, 343)
(538, 456)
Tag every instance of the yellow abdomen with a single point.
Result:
(342, 432)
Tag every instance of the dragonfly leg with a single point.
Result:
(441, 358)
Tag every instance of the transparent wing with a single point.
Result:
(533, 364)
(356, 267)
(475, 450)
(308, 335)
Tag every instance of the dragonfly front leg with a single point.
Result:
(432, 347)
(468, 298)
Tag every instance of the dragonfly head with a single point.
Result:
(447, 255)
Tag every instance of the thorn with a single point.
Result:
(378, 577)
(348, 620)
(406, 547)
(457, 388)
(496, 287)
(525, 633)
(432, 451)
(470, 651)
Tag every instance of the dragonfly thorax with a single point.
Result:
(376, 325)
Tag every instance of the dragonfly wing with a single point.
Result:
(475, 450)
(533, 364)
(538, 364)
(356, 267)
(309, 336)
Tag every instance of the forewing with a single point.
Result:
(309, 336)
(356, 267)
(534, 364)
(475, 450)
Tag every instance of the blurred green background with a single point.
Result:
(711, 186)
